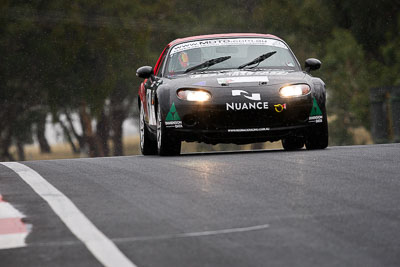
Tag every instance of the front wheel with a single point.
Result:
(166, 145)
(317, 135)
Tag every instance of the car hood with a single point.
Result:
(237, 78)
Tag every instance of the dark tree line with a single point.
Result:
(79, 58)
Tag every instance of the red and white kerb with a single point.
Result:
(12, 230)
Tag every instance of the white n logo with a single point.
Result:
(246, 94)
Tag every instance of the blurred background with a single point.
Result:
(67, 68)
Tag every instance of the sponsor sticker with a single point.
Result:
(316, 113)
(280, 107)
(173, 124)
(251, 79)
(202, 83)
(173, 120)
(226, 42)
(248, 130)
(254, 96)
(239, 73)
(246, 106)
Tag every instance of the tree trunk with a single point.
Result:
(40, 134)
(117, 119)
(7, 115)
(102, 132)
(67, 134)
(20, 151)
(78, 137)
(90, 138)
(121, 101)
(5, 146)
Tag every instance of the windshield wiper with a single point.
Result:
(257, 60)
(208, 63)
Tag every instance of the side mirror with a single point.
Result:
(312, 64)
(145, 72)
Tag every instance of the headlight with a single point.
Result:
(194, 95)
(294, 90)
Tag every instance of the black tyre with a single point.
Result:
(292, 143)
(166, 145)
(317, 135)
(148, 146)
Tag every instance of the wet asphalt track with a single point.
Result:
(335, 207)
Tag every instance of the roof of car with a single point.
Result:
(221, 35)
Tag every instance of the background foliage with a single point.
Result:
(64, 58)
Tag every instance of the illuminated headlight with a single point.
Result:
(294, 90)
(194, 95)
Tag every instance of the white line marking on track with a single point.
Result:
(194, 234)
(98, 244)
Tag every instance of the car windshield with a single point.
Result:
(241, 50)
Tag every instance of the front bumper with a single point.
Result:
(214, 122)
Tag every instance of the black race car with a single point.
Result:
(230, 88)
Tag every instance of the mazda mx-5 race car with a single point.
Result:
(230, 88)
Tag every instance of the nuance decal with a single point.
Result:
(247, 106)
